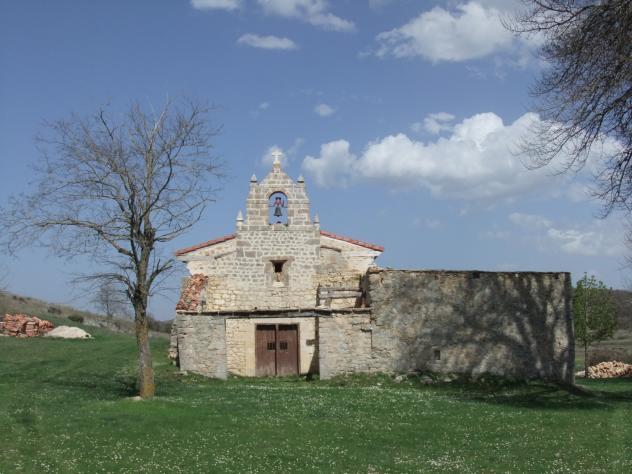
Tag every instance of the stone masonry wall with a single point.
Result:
(201, 344)
(509, 324)
(344, 344)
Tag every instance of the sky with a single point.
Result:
(403, 116)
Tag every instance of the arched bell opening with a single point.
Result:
(277, 208)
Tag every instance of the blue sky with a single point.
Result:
(402, 115)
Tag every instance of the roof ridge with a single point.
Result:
(361, 243)
(208, 243)
(331, 235)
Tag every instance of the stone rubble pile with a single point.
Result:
(606, 370)
(21, 325)
(190, 298)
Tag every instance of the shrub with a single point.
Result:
(53, 310)
(604, 354)
(77, 318)
(159, 326)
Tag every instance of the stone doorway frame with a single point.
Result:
(264, 340)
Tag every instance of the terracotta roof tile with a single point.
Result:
(331, 235)
(204, 244)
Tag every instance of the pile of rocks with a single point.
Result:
(21, 325)
(607, 370)
(190, 298)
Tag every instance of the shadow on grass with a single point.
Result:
(619, 390)
(92, 387)
(545, 396)
(597, 395)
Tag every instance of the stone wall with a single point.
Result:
(510, 324)
(345, 344)
(200, 344)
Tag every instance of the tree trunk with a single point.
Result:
(146, 384)
(585, 360)
(587, 327)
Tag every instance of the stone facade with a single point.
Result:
(509, 324)
(199, 344)
(241, 269)
(265, 269)
(351, 316)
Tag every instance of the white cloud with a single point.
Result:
(260, 109)
(471, 30)
(529, 220)
(475, 162)
(295, 146)
(286, 155)
(597, 239)
(324, 110)
(438, 122)
(417, 127)
(267, 42)
(589, 242)
(433, 223)
(334, 166)
(216, 4)
(314, 12)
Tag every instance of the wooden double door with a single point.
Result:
(276, 349)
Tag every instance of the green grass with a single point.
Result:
(65, 407)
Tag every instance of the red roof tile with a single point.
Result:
(331, 235)
(204, 244)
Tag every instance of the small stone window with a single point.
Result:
(437, 354)
(278, 270)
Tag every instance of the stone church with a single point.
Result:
(281, 296)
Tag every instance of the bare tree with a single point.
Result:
(585, 93)
(117, 188)
(111, 299)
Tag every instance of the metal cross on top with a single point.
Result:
(277, 154)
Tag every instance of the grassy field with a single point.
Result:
(65, 406)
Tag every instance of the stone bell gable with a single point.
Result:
(297, 205)
(278, 258)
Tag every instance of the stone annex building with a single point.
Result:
(282, 296)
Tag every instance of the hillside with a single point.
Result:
(12, 303)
